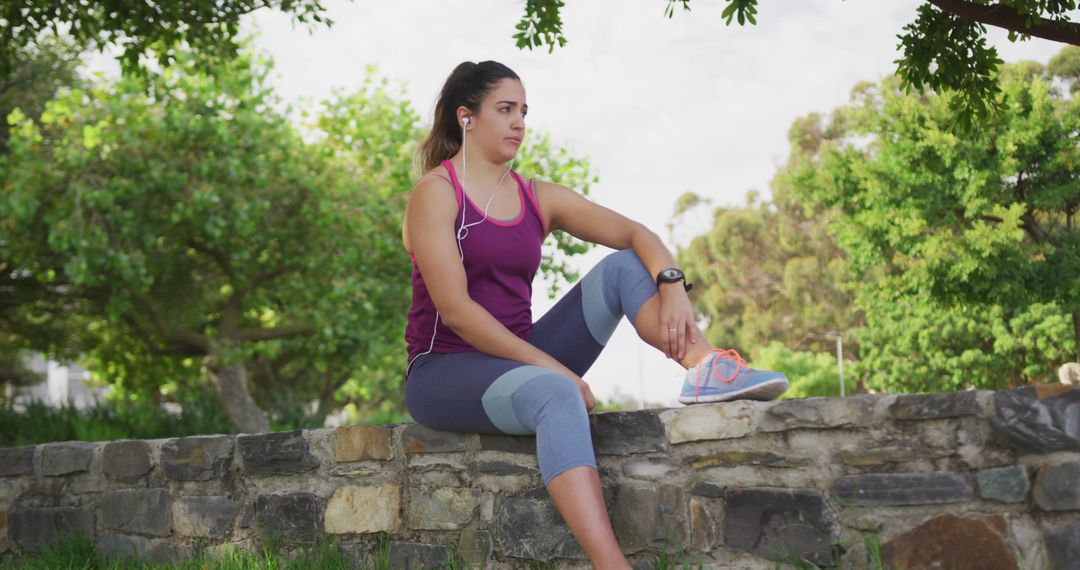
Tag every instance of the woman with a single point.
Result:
(477, 362)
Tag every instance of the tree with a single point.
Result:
(951, 276)
(944, 49)
(771, 271)
(982, 218)
(204, 230)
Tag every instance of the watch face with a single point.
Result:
(671, 275)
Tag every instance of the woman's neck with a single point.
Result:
(479, 170)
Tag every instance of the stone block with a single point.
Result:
(292, 518)
(756, 458)
(207, 517)
(885, 454)
(366, 509)
(818, 413)
(903, 489)
(1057, 487)
(508, 443)
(65, 457)
(502, 468)
(645, 517)
(528, 526)
(35, 529)
(704, 422)
(126, 461)
(277, 453)
(474, 546)
(712, 490)
(442, 509)
(702, 526)
(651, 468)
(361, 442)
(956, 543)
(198, 458)
(623, 433)
(418, 438)
(43, 492)
(140, 511)
(1004, 484)
(779, 523)
(17, 461)
(935, 406)
(1063, 546)
(417, 555)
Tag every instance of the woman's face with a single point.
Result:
(499, 127)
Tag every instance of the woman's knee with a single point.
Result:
(547, 396)
(624, 259)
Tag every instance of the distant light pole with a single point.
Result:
(839, 357)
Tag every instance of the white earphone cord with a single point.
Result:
(461, 233)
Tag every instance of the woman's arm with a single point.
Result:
(564, 209)
(429, 234)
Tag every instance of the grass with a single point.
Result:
(78, 553)
(135, 419)
(200, 413)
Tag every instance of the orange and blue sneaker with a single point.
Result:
(723, 375)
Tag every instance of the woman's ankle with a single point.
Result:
(695, 351)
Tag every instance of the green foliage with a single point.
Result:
(982, 218)
(768, 272)
(946, 53)
(192, 224)
(811, 373)
(119, 417)
(78, 552)
(948, 258)
(142, 29)
(911, 344)
(541, 25)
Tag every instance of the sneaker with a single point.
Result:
(723, 375)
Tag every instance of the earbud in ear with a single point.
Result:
(466, 120)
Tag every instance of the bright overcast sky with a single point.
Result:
(659, 106)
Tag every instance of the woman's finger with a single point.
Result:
(682, 341)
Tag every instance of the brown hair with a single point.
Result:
(466, 86)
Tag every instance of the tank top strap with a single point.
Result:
(449, 166)
(529, 190)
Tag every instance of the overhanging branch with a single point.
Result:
(1006, 17)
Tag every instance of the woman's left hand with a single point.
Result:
(676, 320)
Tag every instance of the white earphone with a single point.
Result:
(463, 230)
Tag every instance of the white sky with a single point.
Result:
(659, 106)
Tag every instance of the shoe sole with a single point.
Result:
(765, 391)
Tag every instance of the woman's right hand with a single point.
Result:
(583, 387)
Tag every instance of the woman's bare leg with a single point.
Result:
(578, 497)
(648, 328)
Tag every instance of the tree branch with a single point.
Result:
(176, 336)
(272, 333)
(215, 254)
(1006, 17)
(263, 278)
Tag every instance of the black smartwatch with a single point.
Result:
(672, 275)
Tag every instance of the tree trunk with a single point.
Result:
(1076, 333)
(231, 384)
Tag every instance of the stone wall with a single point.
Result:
(731, 485)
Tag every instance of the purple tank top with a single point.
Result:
(500, 259)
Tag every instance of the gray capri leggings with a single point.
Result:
(477, 392)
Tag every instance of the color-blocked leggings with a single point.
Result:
(477, 392)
